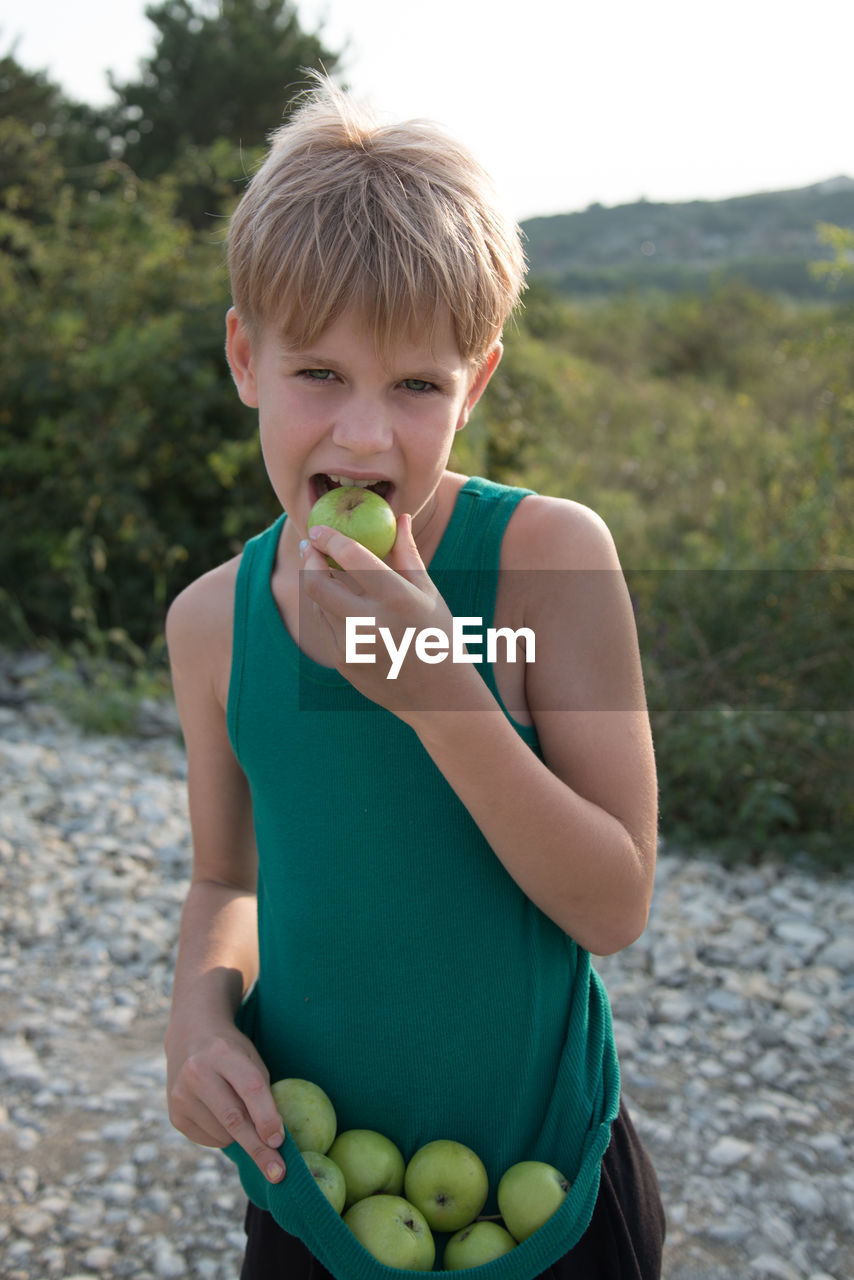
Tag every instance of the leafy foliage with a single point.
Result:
(31, 99)
(222, 72)
(123, 444)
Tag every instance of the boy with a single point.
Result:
(397, 883)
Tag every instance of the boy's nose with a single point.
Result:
(363, 430)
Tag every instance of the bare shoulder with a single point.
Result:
(204, 607)
(557, 533)
(199, 626)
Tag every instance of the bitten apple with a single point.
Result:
(393, 1231)
(528, 1194)
(360, 514)
(447, 1181)
(307, 1113)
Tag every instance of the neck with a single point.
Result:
(431, 522)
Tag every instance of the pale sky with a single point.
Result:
(566, 102)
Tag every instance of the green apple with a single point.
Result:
(393, 1231)
(328, 1177)
(370, 1162)
(307, 1113)
(528, 1195)
(476, 1244)
(358, 512)
(448, 1183)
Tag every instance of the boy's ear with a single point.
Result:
(481, 377)
(238, 350)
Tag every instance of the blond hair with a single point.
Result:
(397, 220)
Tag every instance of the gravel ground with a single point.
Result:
(734, 1013)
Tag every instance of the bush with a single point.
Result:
(127, 464)
(750, 694)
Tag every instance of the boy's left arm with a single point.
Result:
(577, 829)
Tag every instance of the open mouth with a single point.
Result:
(323, 483)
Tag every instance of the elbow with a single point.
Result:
(619, 933)
(623, 912)
(606, 933)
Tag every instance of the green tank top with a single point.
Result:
(401, 967)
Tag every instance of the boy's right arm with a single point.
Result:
(218, 1087)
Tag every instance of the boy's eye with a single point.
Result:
(417, 384)
(318, 375)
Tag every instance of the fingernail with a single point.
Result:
(275, 1172)
(277, 1139)
(304, 546)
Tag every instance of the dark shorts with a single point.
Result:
(623, 1242)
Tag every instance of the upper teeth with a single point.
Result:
(348, 480)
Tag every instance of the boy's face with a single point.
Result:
(338, 413)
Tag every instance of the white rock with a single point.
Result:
(168, 1262)
(120, 1131)
(27, 1179)
(806, 1198)
(27, 1138)
(774, 1267)
(121, 1193)
(728, 1151)
(53, 1261)
(32, 1221)
(801, 935)
(19, 1063)
(839, 954)
(100, 1258)
(771, 1067)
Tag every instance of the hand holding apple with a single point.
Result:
(359, 513)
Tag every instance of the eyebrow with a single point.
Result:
(435, 373)
(427, 373)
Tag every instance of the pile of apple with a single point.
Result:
(393, 1207)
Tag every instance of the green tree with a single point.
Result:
(223, 71)
(126, 460)
(81, 134)
(840, 240)
(27, 95)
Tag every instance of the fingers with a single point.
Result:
(396, 600)
(364, 575)
(404, 557)
(348, 554)
(251, 1083)
(355, 558)
(223, 1096)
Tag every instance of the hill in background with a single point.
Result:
(768, 240)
